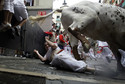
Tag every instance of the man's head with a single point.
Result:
(25, 1)
(64, 32)
(46, 45)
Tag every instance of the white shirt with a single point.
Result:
(101, 43)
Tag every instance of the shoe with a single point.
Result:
(5, 27)
(9, 25)
(17, 30)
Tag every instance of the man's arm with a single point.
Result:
(43, 59)
(53, 46)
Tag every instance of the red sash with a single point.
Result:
(60, 51)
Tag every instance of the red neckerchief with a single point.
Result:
(99, 51)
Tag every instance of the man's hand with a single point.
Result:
(47, 37)
(36, 51)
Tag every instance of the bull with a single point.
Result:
(95, 20)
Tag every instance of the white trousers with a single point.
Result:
(66, 61)
(9, 5)
(20, 13)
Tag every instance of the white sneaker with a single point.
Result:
(4, 27)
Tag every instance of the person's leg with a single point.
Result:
(6, 16)
(18, 27)
(22, 22)
(10, 18)
(21, 16)
(8, 11)
(11, 12)
(5, 25)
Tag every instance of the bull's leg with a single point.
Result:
(81, 37)
(75, 52)
(117, 55)
(119, 65)
(120, 68)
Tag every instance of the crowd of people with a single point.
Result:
(12, 8)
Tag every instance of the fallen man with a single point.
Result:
(62, 59)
